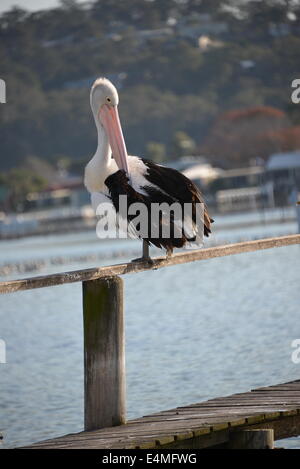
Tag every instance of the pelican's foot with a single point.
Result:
(144, 259)
(169, 253)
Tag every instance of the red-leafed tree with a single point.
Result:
(241, 135)
(288, 139)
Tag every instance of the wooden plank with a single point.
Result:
(283, 389)
(122, 433)
(284, 386)
(207, 419)
(276, 392)
(167, 439)
(104, 353)
(284, 427)
(200, 442)
(177, 429)
(247, 403)
(252, 439)
(207, 413)
(142, 430)
(134, 267)
(267, 399)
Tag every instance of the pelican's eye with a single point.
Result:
(108, 100)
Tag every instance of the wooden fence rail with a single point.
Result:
(159, 262)
(103, 320)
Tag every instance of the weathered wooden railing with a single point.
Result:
(103, 319)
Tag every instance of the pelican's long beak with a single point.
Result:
(110, 120)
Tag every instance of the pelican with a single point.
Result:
(112, 172)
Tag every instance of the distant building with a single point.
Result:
(282, 171)
(285, 166)
(67, 193)
(202, 174)
(238, 189)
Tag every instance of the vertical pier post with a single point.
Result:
(104, 353)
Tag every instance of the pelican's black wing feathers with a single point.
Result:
(176, 185)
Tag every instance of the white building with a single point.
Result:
(283, 169)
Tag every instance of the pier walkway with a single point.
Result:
(202, 425)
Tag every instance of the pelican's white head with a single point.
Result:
(103, 92)
(104, 101)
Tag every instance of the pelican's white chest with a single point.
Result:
(96, 171)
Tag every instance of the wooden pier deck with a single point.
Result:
(201, 425)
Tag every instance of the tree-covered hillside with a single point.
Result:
(170, 81)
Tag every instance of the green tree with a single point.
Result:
(19, 183)
(156, 151)
(183, 145)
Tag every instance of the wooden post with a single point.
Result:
(252, 439)
(104, 353)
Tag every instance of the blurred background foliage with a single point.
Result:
(230, 101)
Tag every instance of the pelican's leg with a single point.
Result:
(146, 256)
(169, 253)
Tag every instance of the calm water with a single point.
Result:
(193, 332)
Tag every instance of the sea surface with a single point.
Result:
(193, 331)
